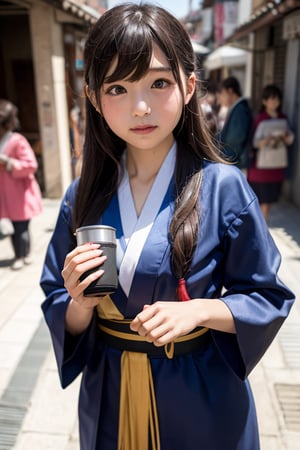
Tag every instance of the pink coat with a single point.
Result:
(20, 195)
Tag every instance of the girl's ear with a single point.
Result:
(190, 88)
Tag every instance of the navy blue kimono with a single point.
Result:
(203, 398)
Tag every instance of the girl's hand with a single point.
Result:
(163, 322)
(288, 138)
(3, 159)
(83, 258)
(263, 142)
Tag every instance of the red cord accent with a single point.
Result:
(181, 291)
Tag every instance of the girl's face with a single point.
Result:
(225, 97)
(271, 104)
(144, 113)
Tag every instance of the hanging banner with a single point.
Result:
(225, 20)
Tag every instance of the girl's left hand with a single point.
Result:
(288, 138)
(163, 322)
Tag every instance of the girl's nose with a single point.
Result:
(141, 108)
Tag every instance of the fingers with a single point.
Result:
(137, 322)
(83, 258)
(78, 266)
(155, 324)
(164, 321)
(76, 289)
(82, 252)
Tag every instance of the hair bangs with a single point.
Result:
(125, 51)
(134, 51)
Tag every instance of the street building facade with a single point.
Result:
(41, 44)
(272, 35)
(260, 45)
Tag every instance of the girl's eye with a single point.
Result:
(115, 90)
(161, 84)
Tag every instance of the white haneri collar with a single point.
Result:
(136, 229)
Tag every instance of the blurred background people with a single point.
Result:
(235, 134)
(20, 196)
(267, 182)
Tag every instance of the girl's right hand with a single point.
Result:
(83, 258)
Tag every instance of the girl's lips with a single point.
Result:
(143, 129)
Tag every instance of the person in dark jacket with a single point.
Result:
(235, 135)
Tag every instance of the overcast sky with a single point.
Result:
(177, 7)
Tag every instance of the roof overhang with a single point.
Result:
(16, 7)
(264, 16)
(69, 11)
(81, 11)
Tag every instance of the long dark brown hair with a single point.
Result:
(127, 34)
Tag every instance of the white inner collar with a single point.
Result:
(136, 229)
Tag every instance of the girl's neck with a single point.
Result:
(144, 164)
(272, 113)
(143, 167)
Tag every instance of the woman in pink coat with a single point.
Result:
(20, 196)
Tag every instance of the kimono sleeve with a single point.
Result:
(71, 352)
(256, 297)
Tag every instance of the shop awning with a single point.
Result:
(200, 49)
(225, 56)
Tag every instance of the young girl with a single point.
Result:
(164, 359)
(267, 182)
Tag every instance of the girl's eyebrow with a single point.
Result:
(160, 69)
(151, 69)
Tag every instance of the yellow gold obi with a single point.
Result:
(138, 418)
